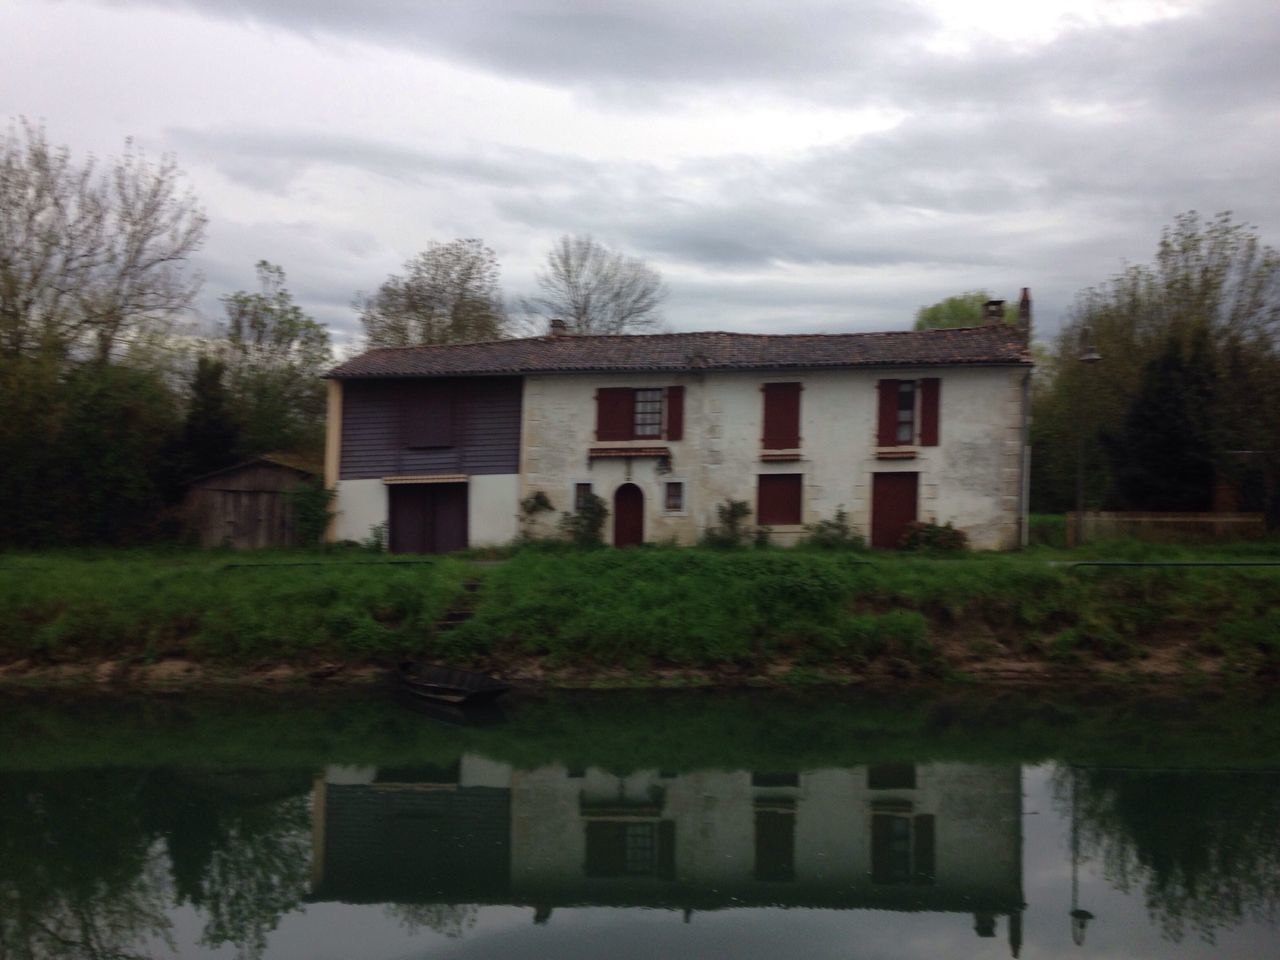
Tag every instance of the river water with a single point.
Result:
(638, 826)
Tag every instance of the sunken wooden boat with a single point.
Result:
(449, 684)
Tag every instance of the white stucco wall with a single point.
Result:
(492, 508)
(360, 505)
(971, 479)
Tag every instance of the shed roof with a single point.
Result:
(1000, 344)
(288, 461)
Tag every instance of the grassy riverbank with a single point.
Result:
(662, 616)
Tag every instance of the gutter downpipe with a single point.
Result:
(1024, 480)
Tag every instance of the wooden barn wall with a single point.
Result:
(486, 430)
(245, 508)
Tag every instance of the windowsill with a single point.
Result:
(638, 450)
(896, 453)
(781, 456)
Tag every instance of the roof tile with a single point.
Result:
(678, 352)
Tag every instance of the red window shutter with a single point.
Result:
(778, 498)
(615, 412)
(781, 416)
(930, 390)
(675, 413)
(428, 415)
(887, 434)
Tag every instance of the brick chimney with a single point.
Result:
(558, 328)
(993, 312)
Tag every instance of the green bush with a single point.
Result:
(585, 526)
(835, 534)
(931, 536)
(730, 527)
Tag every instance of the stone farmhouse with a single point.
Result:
(441, 443)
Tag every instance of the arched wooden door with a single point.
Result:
(628, 516)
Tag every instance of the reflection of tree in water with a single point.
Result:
(79, 876)
(83, 876)
(239, 846)
(449, 919)
(1203, 847)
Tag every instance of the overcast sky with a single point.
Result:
(789, 166)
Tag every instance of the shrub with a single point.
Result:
(585, 526)
(835, 534)
(931, 536)
(730, 529)
(310, 502)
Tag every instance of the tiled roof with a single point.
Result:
(674, 352)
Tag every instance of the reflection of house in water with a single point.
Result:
(941, 837)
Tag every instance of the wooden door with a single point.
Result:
(893, 505)
(428, 517)
(628, 516)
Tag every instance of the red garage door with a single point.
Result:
(428, 517)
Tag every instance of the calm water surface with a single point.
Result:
(639, 827)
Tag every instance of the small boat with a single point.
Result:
(448, 684)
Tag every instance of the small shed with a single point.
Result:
(246, 505)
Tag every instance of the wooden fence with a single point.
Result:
(1164, 527)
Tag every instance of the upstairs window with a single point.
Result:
(427, 415)
(647, 418)
(908, 413)
(906, 432)
(648, 413)
(781, 416)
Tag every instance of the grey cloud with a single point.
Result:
(607, 42)
(272, 160)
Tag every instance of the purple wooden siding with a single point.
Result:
(486, 429)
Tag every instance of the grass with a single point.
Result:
(811, 611)
(220, 607)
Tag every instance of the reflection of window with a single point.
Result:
(775, 845)
(891, 776)
(636, 848)
(902, 849)
(775, 779)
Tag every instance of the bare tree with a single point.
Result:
(596, 290)
(449, 293)
(86, 260)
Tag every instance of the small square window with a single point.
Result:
(580, 493)
(675, 496)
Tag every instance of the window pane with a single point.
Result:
(580, 492)
(675, 497)
(906, 411)
(648, 415)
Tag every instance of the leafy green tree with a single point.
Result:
(1213, 279)
(597, 290)
(1162, 454)
(275, 355)
(962, 310)
(449, 293)
(210, 434)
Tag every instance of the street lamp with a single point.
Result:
(1088, 356)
